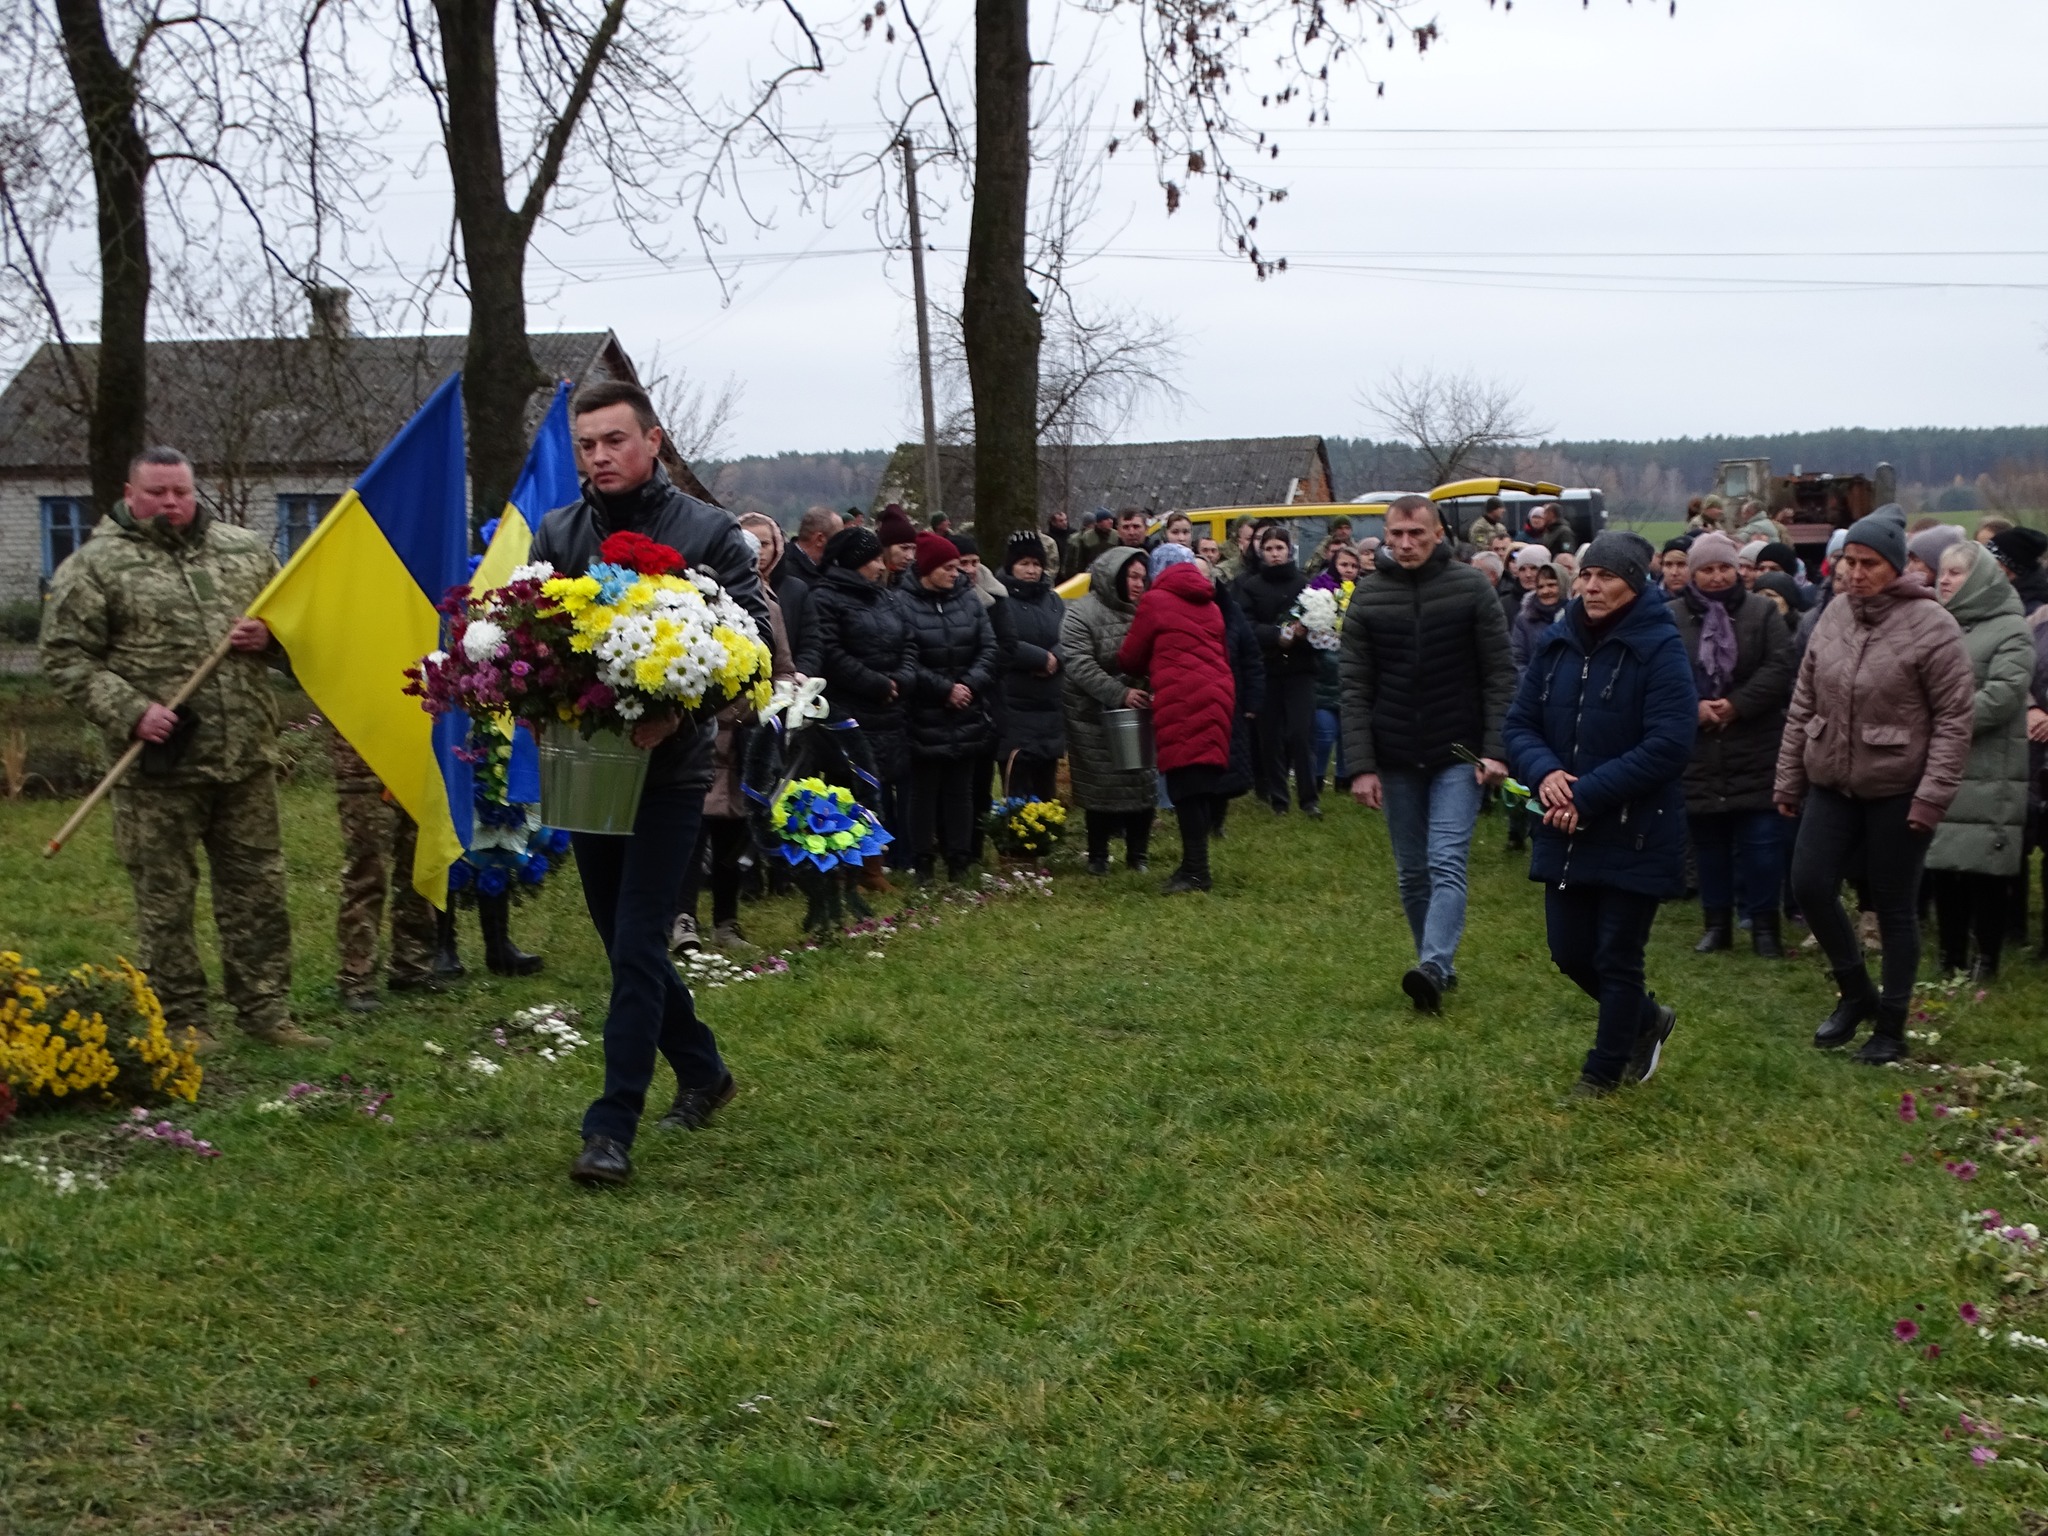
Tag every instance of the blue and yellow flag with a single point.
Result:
(355, 607)
(547, 481)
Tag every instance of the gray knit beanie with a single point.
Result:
(1882, 535)
(1624, 554)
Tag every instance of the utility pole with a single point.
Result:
(924, 331)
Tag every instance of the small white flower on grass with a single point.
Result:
(483, 1066)
(431, 1048)
(876, 954)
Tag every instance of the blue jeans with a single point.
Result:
(630, 885)
(1597, 935)
(1751, 841)
(1329, 740)
(1429, 822)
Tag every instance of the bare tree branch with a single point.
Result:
(1458, 422)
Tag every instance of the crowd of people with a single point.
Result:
(1713, 717)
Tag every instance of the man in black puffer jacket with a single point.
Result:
(631, 884)
(952, 668)
(1285, 731)
(1427, 679)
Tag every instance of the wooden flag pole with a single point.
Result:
(127, 759)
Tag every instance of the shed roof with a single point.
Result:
(262, 403)
(1213, 472)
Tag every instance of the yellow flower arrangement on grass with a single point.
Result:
(97, 1034)
(1027, 828)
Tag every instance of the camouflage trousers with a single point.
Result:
(377, 840)
(156, 829)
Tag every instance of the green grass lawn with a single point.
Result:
(1081, 1212)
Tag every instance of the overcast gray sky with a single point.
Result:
(1757, 215)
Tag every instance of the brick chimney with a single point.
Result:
(329, 320)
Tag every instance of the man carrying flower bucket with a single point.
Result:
(631, 883)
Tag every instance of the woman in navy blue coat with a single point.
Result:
(1602, 728)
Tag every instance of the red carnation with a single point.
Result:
(637, 552)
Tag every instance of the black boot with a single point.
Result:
(494, 916)
(447, 964)
(1764, 939)
(1857, 1003)
(1887, 1042)
(1719, 934)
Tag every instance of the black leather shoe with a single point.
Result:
(1857, 1003)
(602, 1161)
(1764, 939)
(1887, 1042)
(1180, 883)
(693, 1107)
(1424, 988)
(1719, 934)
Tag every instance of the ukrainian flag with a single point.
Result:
(549, 480)
(356, 606)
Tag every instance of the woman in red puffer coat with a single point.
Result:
(1176, 641)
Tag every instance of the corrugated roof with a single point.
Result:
(264, 404)
(1214, 472)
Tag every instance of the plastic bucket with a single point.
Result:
(590, 785)
(1130, 738)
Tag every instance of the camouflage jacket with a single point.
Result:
(135, 611)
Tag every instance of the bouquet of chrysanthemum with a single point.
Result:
(97, 1035)
(598, 651)
(1026, 829)
(1320, 611)
(824, 825)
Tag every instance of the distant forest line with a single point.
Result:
(1948, 466)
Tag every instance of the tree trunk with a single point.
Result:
(998, 319)
(118, 426)
(499, 374)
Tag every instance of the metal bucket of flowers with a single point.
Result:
(582, 659)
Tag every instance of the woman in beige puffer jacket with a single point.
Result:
(1874, 749)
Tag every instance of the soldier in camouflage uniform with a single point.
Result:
(131, 615)
(377, 840)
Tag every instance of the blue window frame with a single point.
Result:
(297, 515)
(66, 524)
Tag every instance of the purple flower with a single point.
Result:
(1909, 1107)
(1965, 1170)
(1905, 1330)
(1968, 1313)
(1982, 1454)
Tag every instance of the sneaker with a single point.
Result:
(1180, 883)
(602, 1161)
(694, 1107)
(1649, 1051)
(1425, 988)
(1137, 866)
(1312, 812)
(728, 936)
(1098, 867)
(682, 939)
(290, 1037)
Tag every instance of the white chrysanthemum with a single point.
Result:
(540, 570)
(482, 639)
